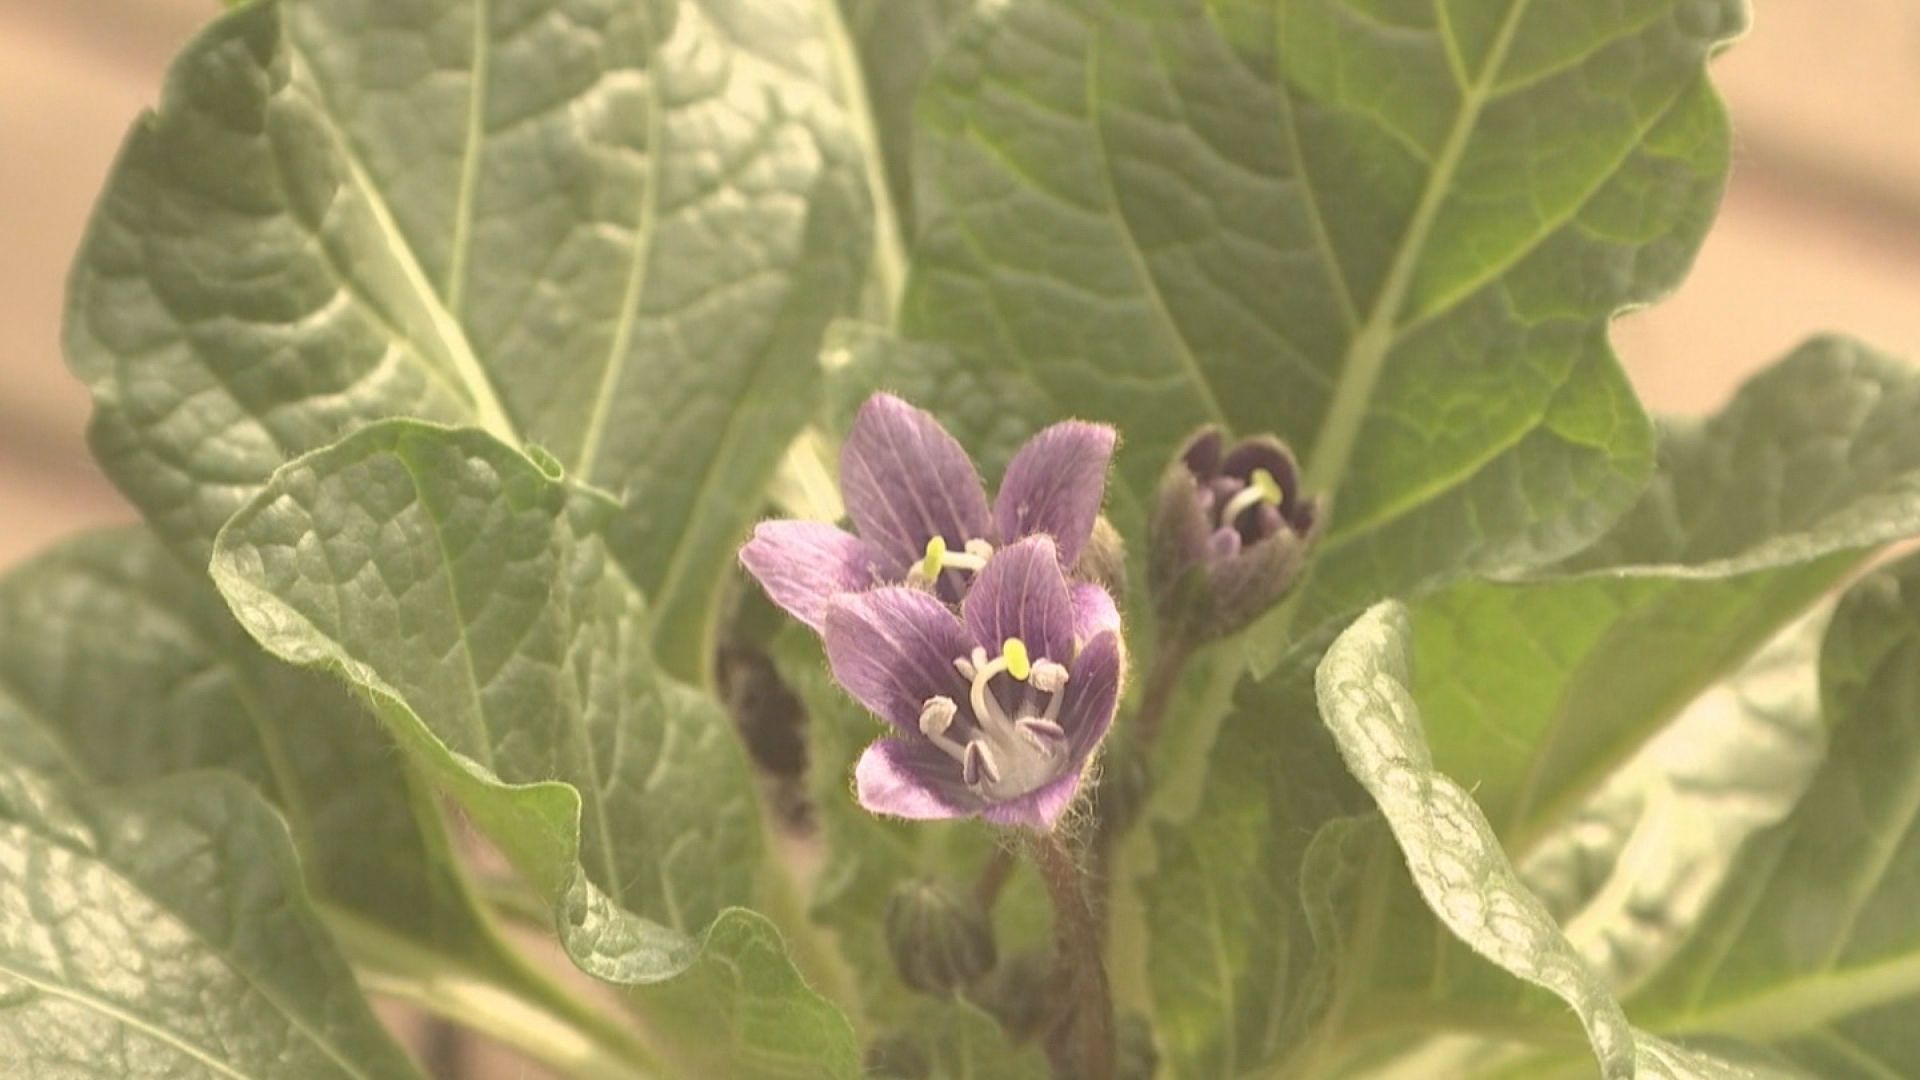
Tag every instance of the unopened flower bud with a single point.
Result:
(1104, 560)
(940, 939)
(1229, 532)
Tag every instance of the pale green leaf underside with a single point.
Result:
(466, 591)
(1629, 875)
(1391, 233)
(1535, 691)
(133, 669)
(162, 931)
(613, 231)
(1812, 945)
(1456, 862)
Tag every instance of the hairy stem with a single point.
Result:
(1081, 1041)
(1161, 681)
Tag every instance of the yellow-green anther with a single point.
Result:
(1018, 664)
(936, 554)
(1269, 487)
(1261, 488)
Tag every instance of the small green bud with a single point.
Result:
(1104, 560)
(941, 940)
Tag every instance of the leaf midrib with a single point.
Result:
(1367, 352)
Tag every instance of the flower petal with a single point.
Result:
(1202, 452)
(1022, 594)
(1093, 692)
(1093, 611)
(1055, 485)
(1040, 808)
(906, 481)
(804, 564)
(893, 648)
(909, 778)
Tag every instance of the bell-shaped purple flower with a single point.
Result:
(921, 513)
(1229, 532)
(997, 710)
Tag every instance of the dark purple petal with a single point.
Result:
(910, 778)
(1203, 452)
(1093, 611)
(1093, 692)
(1269, 453)
(1054, 485)
(804, 564)
(1022, 594)
(893, 648)
(1040, 808)
(905, 481)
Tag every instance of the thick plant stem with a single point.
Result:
(1080, 1042)
(1161, 681)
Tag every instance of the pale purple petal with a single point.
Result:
(909, 778)
(1203, 452)
(1040, 808)
(893, 648)
(905, 481)
(804, 564)
(1093, 692)
(1093, 611)
(1054, 485)
(1022, 594)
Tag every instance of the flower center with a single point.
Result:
(1261, 489)
(1005, 755)
(972, 559)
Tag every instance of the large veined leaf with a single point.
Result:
(615, 231)
(1535, 691)
(163, 931)
(1453, 856)
(1393, 233)
(1812, 945)
(464, 588)
(133, 669)
(1629, 874)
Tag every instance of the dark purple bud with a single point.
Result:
(940, 939)
(1229, 532)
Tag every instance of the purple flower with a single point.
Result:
(1229, 532)
(998, 709)
(921, 512)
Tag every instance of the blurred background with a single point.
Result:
(1820, 229)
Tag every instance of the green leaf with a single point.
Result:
(1247, 898)
(1537, 690)
(133, 669)
(1452, 854)
(463, 587)
(163, 931)
(1393, 233)
(1813, 946)
(955, 1040)
(1629, 875)
(897, 41)
(615, 232)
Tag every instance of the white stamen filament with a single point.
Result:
(1003, 757)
